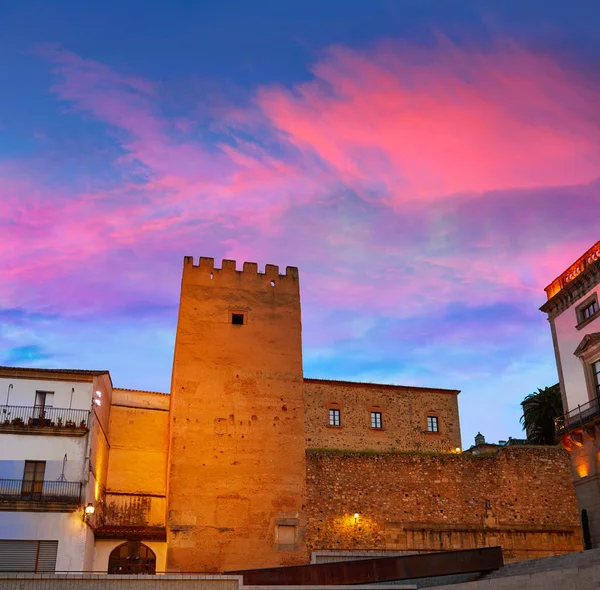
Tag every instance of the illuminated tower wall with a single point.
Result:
(237, 472)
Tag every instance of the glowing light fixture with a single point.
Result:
(88, 511)
(356, 517)
(97, 402)
(457, 449)
(98, 393)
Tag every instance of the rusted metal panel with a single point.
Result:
(383, 569)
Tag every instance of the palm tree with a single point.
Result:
(539, 411)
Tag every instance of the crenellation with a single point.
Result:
(228, 265)
(206, 274)
(251, 267)
(272, 271)
(207, 263)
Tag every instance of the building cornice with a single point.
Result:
(51, 374)
(381, 386)
(573, 290)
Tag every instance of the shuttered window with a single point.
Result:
(28, 556)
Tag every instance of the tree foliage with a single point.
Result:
(539, 411)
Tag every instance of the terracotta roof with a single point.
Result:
(141, 391)
(381, 385)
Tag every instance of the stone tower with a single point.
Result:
(237, 470)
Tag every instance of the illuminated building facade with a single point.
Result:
(246, 463)
(574, 315)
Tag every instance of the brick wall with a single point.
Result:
(404, 412)
(521, 498)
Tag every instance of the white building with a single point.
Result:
(574, 315)
(53, 464)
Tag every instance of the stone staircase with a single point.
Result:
(547, 564)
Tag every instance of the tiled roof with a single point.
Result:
(141, 391)
(60, 371)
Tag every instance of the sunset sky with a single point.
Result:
(429, 165)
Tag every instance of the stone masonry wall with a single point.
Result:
(521, 498)
(404, 417)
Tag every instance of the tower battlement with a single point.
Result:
(205, 273)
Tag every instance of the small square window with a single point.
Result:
(376, 420)
(286, 535)
(334, 417)
(237, 319)
(432, 424)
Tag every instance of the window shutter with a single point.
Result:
(47, 556)
(24, 556)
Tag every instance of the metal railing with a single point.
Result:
(67, 492)
(26, 416)
(577, 417)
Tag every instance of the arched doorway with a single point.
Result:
(132, 557)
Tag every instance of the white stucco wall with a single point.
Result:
(104, 548)
(23, 391)
(568, 338)
(74, 537)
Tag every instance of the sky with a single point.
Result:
(429, 165)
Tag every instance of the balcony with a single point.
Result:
(577, 418)
(43, 420)
(39, 496)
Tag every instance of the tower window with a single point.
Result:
(237, 319)
(334, 417)
(376, 420)
(432, 424)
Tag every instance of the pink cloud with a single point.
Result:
(419, 124)
(360, 191)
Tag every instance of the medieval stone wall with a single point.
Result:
(404, 412)
(520, 498)
(237, 474)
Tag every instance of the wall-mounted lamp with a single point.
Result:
(356, 517)
(457, 449)
(88, 511)
(98, 395)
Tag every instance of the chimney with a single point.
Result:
(479, 439)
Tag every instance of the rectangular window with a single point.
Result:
(588, 309)
(596, 373)
(376, 420)
(237, 319)
(432, 424)
(334, 417)
(33, 479)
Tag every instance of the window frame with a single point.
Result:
(375, 414)
(331, 417)
(582, 321)
(435, 420)
(32, 487)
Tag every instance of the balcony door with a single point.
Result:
(43, 401)
(33, 479)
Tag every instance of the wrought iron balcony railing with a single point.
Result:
(62, 492)
(577, 417)
(29, 416)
